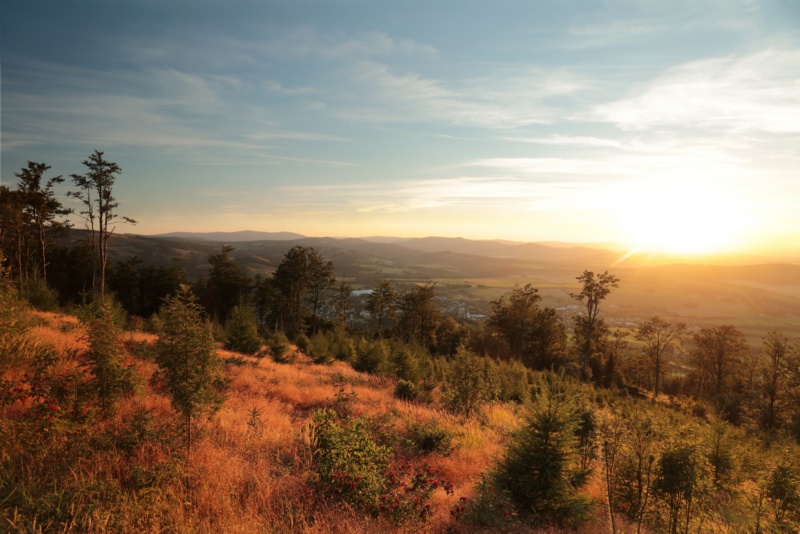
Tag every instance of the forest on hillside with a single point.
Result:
(137, 398)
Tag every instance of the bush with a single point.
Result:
(319, 349)
(353, 468)
(40, 296)
(241, 332)
(406, 390)
(278, 345)
(349, 464)
(466, 382)
(94, 305)
(491, 508)
(303, 343)
(371, 356)
(430, 437)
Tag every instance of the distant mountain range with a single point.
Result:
(420, 258)
(233, 237)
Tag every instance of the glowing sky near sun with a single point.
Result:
(669, 125)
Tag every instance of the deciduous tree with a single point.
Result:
(658, 335)
(594, 290)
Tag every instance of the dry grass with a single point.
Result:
(250, 471)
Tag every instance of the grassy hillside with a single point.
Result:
(258, 464)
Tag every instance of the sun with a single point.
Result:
(681, 217)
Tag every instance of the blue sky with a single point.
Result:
(649, 122)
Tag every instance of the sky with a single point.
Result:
(659, 124)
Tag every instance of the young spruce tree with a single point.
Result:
(188, 359)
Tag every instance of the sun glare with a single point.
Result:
(681, 218)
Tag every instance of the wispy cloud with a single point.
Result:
(758, 92)
(512, 98)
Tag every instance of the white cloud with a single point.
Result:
(513, 98)
(759, 92)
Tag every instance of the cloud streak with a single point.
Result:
(758, 92)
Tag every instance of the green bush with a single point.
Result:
(349, 464)
(491, 508)
(40, 296)
(278, 345)
(424, 438)
(371, 356)
(241, 332)
(466, 382)
(319, 349)
(406, 390)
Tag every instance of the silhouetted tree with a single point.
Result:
(773, 375)
(42, 208)
(291, 281)
(658, 335)
(419, 316)
(342, 304)
(228, 285)
(382, 304)
(719, 348)
(535, 336)
(594, 289)
(320, 281)
(96, 194)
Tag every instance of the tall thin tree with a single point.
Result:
(96, 194)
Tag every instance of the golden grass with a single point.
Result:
(250, 470)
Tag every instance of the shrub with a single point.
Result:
(303, 343)
(491, 508)
(406, 390)
(349, 464)
(466, 384)
(278, 345)
(319, 349)
(40, 296)
(371, 356)
(424, 438)
(241, 332)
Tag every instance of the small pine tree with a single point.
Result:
(465, 385)
(541, 470)
(187, 357)
(110, 379)
(241, 332)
